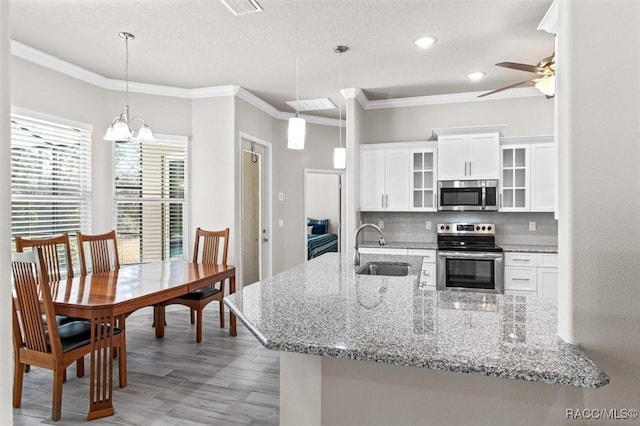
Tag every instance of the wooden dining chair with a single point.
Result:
(52, 249)
(47, 344)
(213, 250)
(103, 249)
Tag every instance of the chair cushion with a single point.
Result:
(61, 319)
(76, 334)
(201, 293)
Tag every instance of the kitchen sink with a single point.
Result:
(394, 269)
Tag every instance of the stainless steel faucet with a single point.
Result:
(356, 253)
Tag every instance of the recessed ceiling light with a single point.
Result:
(475, 76)
(424, 42)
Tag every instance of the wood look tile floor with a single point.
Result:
(172, 381)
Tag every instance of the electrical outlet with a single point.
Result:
(381, 224)
(280, 223)
(428, 225)
(532, 226)
(281, 196)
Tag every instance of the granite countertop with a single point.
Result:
(322, 307)
(528, 248)
(521, 248)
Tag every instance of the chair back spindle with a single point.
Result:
(33, 300)
(211, 246)
(103, 251)
(51, 248)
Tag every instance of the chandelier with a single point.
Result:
(121, 128)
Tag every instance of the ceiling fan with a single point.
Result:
(544, 82)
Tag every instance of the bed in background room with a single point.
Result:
(319, 241)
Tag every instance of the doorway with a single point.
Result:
(324, 199)
(255, 242)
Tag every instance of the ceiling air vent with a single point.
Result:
(312, 104)
(242, 7)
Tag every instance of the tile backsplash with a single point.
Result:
(511, 228)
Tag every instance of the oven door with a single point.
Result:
(461, 195)
(470, 271)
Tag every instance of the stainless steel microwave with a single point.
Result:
(461, 195)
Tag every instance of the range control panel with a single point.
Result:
(467, 228)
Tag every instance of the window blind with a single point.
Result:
(50, 178)
(150, 200)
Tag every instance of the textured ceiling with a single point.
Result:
(199, 43)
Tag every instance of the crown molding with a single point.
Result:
(38, 57)
(516, 140)
(447, 99)
(467, 130)
(549, 22)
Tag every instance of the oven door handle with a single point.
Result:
(468, 255)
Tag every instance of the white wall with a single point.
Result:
(323, 198)
(599, 222)
(355, 131)
(523, 117)
(212, 161)
(288, 247)
(6, 349)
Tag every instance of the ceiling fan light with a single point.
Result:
(296, 133)
(339, 158)
(547, 85)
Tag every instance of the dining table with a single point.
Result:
(107, 298)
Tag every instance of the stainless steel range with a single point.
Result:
(469, 259)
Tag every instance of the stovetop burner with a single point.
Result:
(467, 237)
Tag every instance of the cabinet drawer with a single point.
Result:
(427, 255)
(428, 274)
(520, 259)
(547, 260)
(522, 279)
(382, 250)
(518, 293)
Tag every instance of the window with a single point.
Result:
(50, 177)
(150, 199)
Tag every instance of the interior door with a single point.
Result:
(255, 231)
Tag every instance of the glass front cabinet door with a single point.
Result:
(514, 179)
(424, 179)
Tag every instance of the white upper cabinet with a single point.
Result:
(423, 179)
(514, 179)
(452, 157)
(484, 156)
(468, 153)
(384, 178)
(543, 177)
(372, 178)
(528, 174)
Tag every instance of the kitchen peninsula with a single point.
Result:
(363, 349)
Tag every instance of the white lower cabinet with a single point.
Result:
(548, 284)
(520, 279)
(428, 270)
(531, 274)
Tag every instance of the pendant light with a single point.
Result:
(297, 125)
(121, 129)
(340, 153)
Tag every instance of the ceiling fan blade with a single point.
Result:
(513, 86)
(524, 67)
